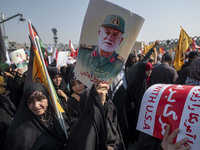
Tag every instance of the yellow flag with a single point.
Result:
(37, 72)
(38, 75)
(171, 50)
(183, 45)
(147, 48)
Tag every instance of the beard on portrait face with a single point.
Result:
(106, 45)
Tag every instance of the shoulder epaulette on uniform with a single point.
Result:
(87, 46)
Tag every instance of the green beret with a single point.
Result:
(114, 21)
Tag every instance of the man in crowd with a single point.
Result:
(164, 73)
(192, 56)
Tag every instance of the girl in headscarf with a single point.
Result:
(97, 126)
(59, 83)
(67, 72)
(35, 125)
(62, 92)
(76, 89)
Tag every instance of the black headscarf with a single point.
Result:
(96, 126)
(73, 102)
(28, 131)
(195, 69)
(67, 72)
(53, 71)
(72, 80)
(7, 105)
(135, 93)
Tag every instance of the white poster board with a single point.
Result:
(62, 58)
(106, 40)
(176, 105)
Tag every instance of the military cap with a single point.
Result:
(114, 21)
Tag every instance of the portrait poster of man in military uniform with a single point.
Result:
(106, 41)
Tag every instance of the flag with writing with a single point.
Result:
(43, 49)
(147, 48)
(37, 72)
(183, 45)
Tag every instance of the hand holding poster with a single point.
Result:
(176, 105)
(106, 41)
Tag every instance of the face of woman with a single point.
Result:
(78, 87)
(38, 105)
(57, 80)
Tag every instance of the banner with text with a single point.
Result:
(176, 105)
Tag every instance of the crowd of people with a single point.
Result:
(97, 118)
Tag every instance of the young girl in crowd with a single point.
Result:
(97, 126)
(76, 89)
(62, 92)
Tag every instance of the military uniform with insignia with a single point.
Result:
(99, 66)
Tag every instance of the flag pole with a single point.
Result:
(60, 117)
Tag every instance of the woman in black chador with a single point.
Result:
(62, 92)
(35, 125)
(59, 84)
(96, 127)
(76, 89)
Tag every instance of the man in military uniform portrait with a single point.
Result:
(101, 61)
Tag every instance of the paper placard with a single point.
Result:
(106, 41)
(62, 58)
(18, 57)
(176, 105)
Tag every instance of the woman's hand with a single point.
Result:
(77, 97)
(102, 90)
(8, 74)
(20, 72)
(168, 140)
(62, 94)
(110, 148)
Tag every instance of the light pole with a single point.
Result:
(4, 20)
(54, 30)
